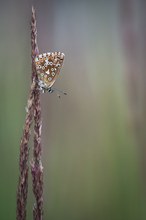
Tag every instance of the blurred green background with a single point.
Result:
(94, 138)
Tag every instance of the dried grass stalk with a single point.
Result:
(23, 162)
(33, 110)
(36, 165)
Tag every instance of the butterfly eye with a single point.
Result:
(39, 66)
(50, 63)
(53, 74)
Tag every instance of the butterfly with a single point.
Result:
(48, 67)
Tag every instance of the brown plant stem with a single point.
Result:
(34, 45)
(36, 165)
(23, 162)
(33, 109)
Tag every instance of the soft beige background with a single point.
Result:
(93, 139)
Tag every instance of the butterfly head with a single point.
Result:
(48, 67)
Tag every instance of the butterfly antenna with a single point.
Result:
(64, 93)
(51, 90)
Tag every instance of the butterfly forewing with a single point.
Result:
(48, 67)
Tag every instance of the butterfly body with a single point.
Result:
(48, 67)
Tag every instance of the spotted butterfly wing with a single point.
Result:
(48, 67)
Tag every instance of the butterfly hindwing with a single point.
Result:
(48, 67)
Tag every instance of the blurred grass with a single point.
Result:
(92, 161)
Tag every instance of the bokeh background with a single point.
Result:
(94, 138)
